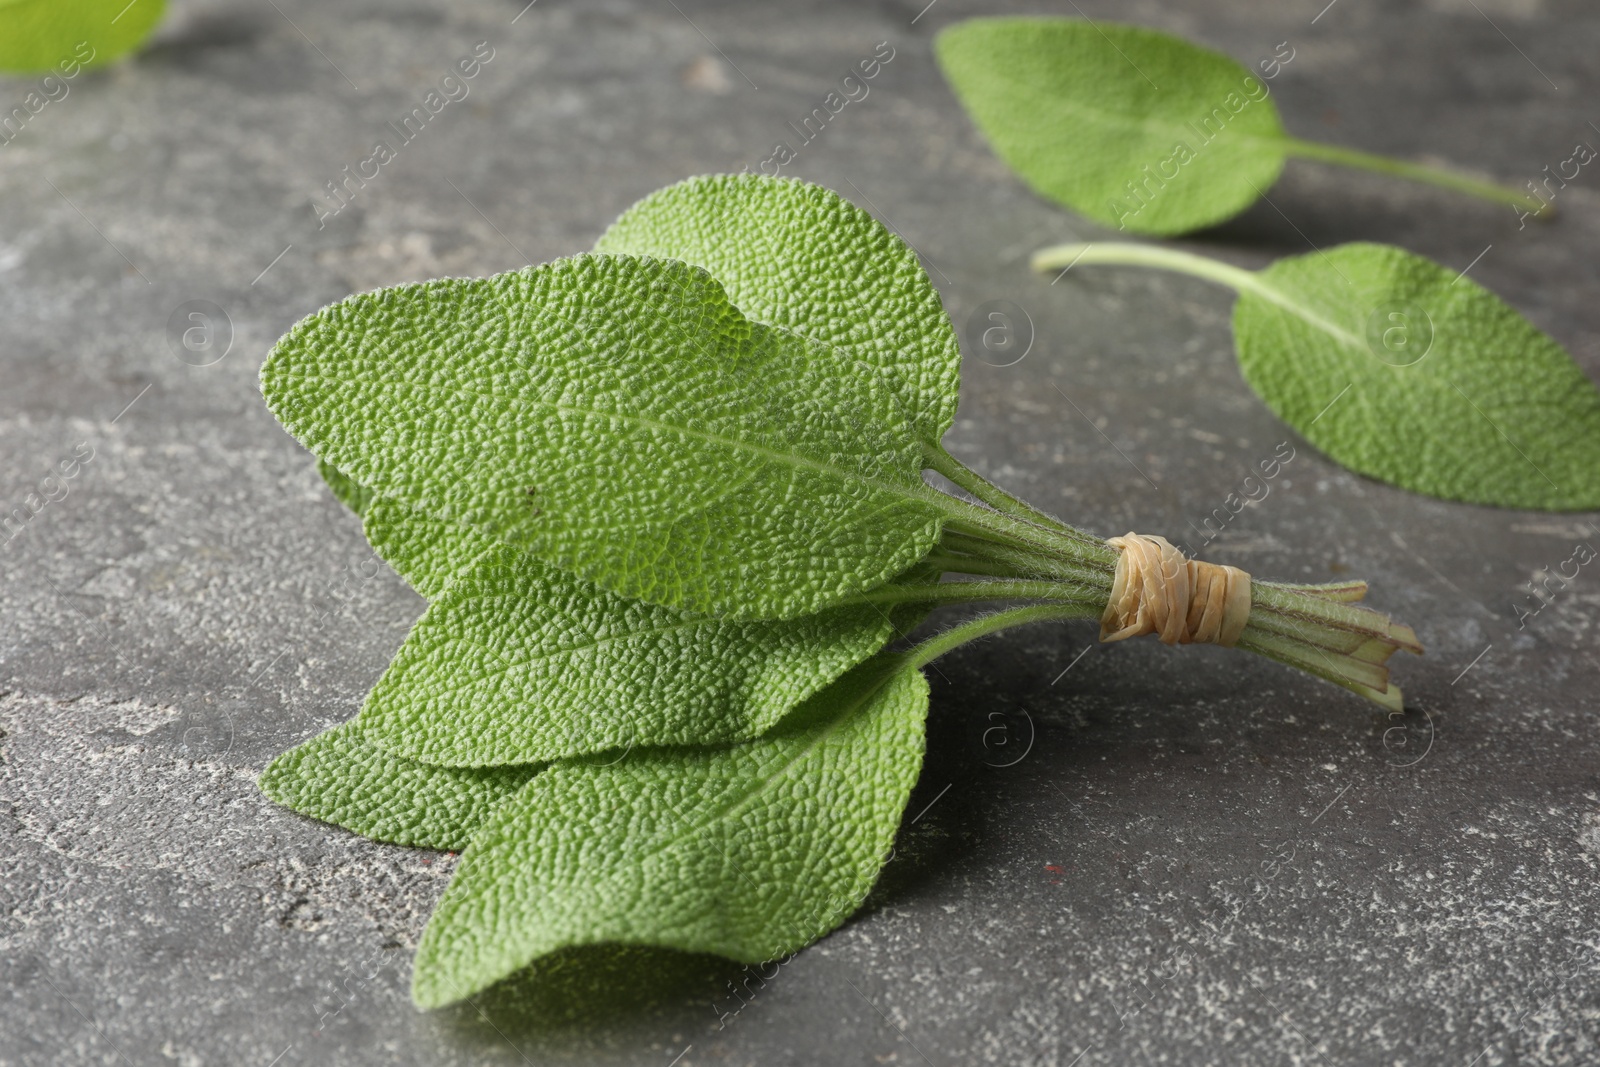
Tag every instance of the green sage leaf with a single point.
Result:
(1409, 372)
(799, 256)
(340, 778)
(427, 553)
(355, 497)
(748, 852)
(519, 662)
(62, 37)
(619, 418)
(1131, 127)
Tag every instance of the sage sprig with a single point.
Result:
(1403, 370)
(1139, 129)
(666, 502)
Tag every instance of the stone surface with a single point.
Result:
(1121, 854)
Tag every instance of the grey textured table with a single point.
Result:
(1190, 857)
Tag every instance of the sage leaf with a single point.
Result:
(619, 418)
(428, 553)
(748, 852)
(518, 662)
(1087, 113)
(800, 256)
(65, 36)
(355, 497)
(340, 778)
(1451, 391)
(1139, 129)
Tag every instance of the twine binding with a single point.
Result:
(1182, 601)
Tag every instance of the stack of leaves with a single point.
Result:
(667, 504)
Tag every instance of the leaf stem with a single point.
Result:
(1317, 629)
(969, 592)
(952, 562)
(1131, 254)
(1351, 157)
(1031, 561)
(984, 625)
(1127, 253)
(1239, 279)
(1002, 519)
(942, 462)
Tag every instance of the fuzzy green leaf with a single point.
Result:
(1402, 369)
(619, 418)
(748, 852)
(62, 36)
(799, 256)
(340, 778)
(518, 662)
(427, 553)
(1132, 127)
(355, 497)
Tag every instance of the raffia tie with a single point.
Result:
(1182, 601)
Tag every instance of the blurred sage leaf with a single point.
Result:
(1139, 129)
(60, 38)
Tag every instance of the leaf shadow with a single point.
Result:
(1308, 210)
(987, 736)
(591, 990)
(204, 31)
(1027, 735)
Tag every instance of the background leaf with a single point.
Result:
(519, 662)
(748, 852)
(621, 419)
(1404, 370)
(38, 36)
(799, 256)
(340, 778)
(1131, 127)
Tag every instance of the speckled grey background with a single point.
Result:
(1154, 857)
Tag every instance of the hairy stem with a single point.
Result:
(1350, 157)
(942, 462)
(952, 562)
(1031, 562)
(1318, 629)
(978, 592)
(984, 625)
